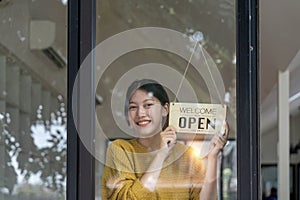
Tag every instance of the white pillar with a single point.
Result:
(284, 136)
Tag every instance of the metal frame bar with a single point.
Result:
(81, 41)
(72, 137)
(247, 71)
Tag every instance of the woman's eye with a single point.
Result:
(148, 105)
(132, 107)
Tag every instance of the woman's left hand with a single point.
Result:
(218, 142)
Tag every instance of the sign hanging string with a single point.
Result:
(209, 70)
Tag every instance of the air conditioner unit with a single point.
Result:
(42, 36)
(53, 55)
(4, 3)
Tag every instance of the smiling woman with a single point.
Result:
(154, 165)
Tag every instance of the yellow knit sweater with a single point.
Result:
(181, 177)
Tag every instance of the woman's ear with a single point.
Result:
(165, 109)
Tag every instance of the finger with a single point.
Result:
(169, 140)
(221, 141)
(166, 133)
(170, 128)
(213, 141)
(226, 126)
(215, 138)
(169, 137)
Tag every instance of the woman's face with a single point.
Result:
(146, 113)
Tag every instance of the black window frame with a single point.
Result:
(81, 40)
(247, 96)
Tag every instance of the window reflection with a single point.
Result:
(227, 168)
(33, 159)
(32, 100)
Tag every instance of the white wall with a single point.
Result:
(269, 141)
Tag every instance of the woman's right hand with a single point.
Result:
(168, 138)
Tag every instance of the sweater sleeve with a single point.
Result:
(119, 179)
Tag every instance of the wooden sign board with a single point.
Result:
(197, 118)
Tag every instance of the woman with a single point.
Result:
(153, 165)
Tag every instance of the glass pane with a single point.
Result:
(189, 48)
(279, 149)
(32, 100)
(270, 181)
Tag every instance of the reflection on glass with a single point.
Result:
(211, 22)
(35, 160)
(32, 100)
(229, 172)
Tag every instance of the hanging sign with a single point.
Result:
(197, 118)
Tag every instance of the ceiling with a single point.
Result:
(279, 43)
(279, 51)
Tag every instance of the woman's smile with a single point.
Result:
(143, 123)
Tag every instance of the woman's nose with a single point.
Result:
(141, 111)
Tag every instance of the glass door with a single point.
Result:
(199, 51)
